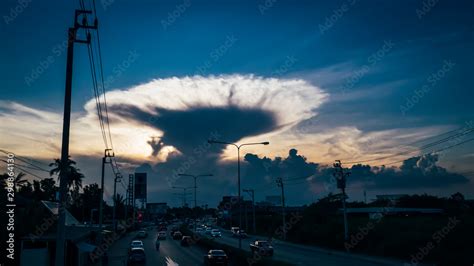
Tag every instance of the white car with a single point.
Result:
(136, 244)
(216, 233)
(199, 230)
(208, 230)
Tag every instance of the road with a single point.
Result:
(171, 253)
(306, 255)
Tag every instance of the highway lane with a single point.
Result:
(171, 253)
(307, 255)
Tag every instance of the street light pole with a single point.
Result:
(195, 193)
(238, 173)
(281, 185)
(252, 193)
(184, 193)
(117, 178)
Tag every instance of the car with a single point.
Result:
(177, 235)
(240, 234)
(216, 233)
(162, 235)
(208, 231)
(262, 247)
(142, 234)
(186, 241)
(174, 229)
(136, 244)
(216, 257)
(136, 256)
(199, 230)
(234, 229)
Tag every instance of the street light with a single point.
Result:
(117, 178)
(195, 190)
(184, 193)
(238, 146)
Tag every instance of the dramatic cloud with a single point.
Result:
(162, 127)
(307, 178)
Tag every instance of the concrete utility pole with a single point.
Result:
(341, 184)
(280, 184)
(252, 194)
(118, 176)
(64, 167)
(107, 154)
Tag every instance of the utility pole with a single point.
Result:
(341, 184)
(252, 194)
(118, 176)
(64, 167)
(280, 184)
(107, 154)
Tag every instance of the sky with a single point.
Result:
(371, 81)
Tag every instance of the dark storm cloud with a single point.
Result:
(415, 172)
(293, 166)
(259, 173)
(186, 129)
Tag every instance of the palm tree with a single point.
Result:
(18, 181)
(74, 176)
(119, 199)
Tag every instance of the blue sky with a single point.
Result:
(395, 47)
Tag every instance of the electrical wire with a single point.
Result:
(424, 147)
(439, 150)
(25, 160)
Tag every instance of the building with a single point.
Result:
(38, 247)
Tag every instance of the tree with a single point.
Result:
(74, 176)
(18, 180)
(49, 188)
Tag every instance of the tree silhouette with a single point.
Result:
(74, 176)
(18, 180)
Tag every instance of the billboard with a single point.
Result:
(140, 186)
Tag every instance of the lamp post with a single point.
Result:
(117, 178)
(195, 193)
(184, 193)
(238, 146)
(252, 193)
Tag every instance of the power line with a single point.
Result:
(439, 150)
(30, 173)
(25, 161)
(424, 147)
(26, 166)
(96, 91)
